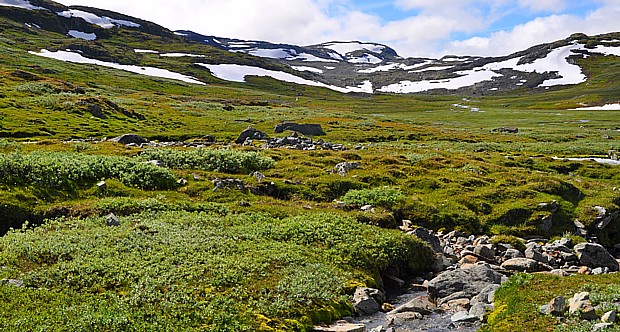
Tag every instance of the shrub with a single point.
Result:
(386, 197)
(61, 170)
(37, 88)
(227, 161)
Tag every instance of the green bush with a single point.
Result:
(68, 170)
(227, 161)
(37, 88)
(386, 197)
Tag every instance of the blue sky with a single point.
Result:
(422, 28)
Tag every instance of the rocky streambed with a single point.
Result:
(469, 269)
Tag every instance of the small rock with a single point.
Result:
(557, 306)
(602, 326)
(367, 208)
(609, 317)
(363, 301)
(524, 265)
(157, 163)
(343, 168)
(479, 310)
(463, 316)
(102, 185)
(544, 309)
(420, 304)
(456, 305)
(584, 270)
(342, 327)
(12, 282)
(182, 182)
(486, 251)
(112, 220)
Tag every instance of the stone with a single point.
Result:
(486, 296)
(524, 265)
(470, 281)
(609, 317)
(479, 310)
(456, 305)
(544, 309)
(468, 259)
(129, 139)
(512, 253)
(536, 255)
(12, 282)
(595, 255)
(463, 316)
(304, 129)
(182, 182)
(251, 133)
(403, 317)
(363, 301)
(157, 163)
(112, 220)
(426, 236)
(557, 306)
(546, 223)
(343, 168)
(584, 270)
(420, 304)
(600, 270)
(228, 184)
(559, 273)
(602, 326)
(486, 251)
(579, 302)
(101, 185)
(341, 327)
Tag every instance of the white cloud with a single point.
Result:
(540, 30)
(425, 28)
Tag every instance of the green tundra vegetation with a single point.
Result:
(287, 251)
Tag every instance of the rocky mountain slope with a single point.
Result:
(360, 67)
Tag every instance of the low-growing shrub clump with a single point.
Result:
(226, 161)
(61, 170)
(386, 197)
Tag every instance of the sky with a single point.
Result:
(414, 28)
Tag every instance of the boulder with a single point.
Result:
(479, 310)
(428, 237)
(304, 129)
(463, 316)
(471, 281)
(486, 296)
(595, 255)
(609, 317)
(112, 220)
(12, 282)
(486, 250)
(536, 255)
(251, 133)
(364, 303)
(524, 265)
(343, 168)
(557, 306)
(129, 139)
(420, 304)
(341, 327)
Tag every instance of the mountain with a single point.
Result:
(105, 38)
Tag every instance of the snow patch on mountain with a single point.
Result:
(467, 78)
(145, 51)
(82, 35)
(608, 107)
(310, 69)
(180, 55)
(366, 58)
(275, 53)
(238, 73)
(73, 57)
(20, 4)
(307, 57)
(102, 21)
(431, 69)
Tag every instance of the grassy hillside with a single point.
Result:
(288, 250)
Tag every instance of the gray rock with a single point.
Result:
(557, 306)
(479, 310)
(341, 327)
(112, 220)
(602, 326)
(251, 133)
(304, 129)
(426, 236)
(544, 309)
(578, 302)
(129, 139)
(420, 304)
(101, 185)
(463, 316)
(609, 317)
(600, 270)
(536, 255)
(471, 281)
(486, 296)
(364, 303)
(343, 168)
(12, 282)
(595, 255)
(512, 253)
(486, 251)
(524, 265)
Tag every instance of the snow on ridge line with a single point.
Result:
(82, 35)
(238, 73)
(102, 21)
(148, 71)
(347, 47)
(310, 69)
(20, 4)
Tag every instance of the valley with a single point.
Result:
(130, 200)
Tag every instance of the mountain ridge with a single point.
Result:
(344, 66)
